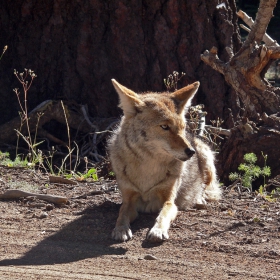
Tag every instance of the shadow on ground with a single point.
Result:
(89, 236)
(86, 237)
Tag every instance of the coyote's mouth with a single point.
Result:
(178, 157)
(183, 158)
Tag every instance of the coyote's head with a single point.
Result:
(155, 122)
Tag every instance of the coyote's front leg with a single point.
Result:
(159, 232)
(127, 214)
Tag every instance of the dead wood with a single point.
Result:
(258, 128)
(218, 130)
(52, 110)
(92, 131)
(245, 70)
(16, 194)
(248, 137)
(60, 180)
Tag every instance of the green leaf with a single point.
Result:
(266, 171)
(37, 144)
(243, 167)
(233, 176)
(250, 158)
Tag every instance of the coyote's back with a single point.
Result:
(157, 165)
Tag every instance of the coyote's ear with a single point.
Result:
(129, 100)
(184, 96)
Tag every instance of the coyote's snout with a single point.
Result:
(158, 166)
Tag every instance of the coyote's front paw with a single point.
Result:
(122, 233)
(157, 235)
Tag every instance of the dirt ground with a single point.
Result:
(237, 238)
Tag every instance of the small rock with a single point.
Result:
(49, 207)
(200, 206)
(232, 273)
(43, 215)
(150, 257)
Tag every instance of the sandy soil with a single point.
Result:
(237, 238)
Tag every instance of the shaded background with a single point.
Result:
(77, 47)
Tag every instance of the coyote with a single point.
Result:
(158, 165)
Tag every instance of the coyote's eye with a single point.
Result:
(165, 127)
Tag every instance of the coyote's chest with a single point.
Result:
(147, 176)
(151, 176)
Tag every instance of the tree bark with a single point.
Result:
(246, 137)
(77, 47)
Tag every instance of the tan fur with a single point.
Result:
(151, 155)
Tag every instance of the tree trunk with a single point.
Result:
(259, 129)
(77, 47)
(246, 137)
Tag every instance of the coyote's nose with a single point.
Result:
(189, 152)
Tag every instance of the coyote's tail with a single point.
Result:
(212, 189)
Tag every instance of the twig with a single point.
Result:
(218, 130)
(201, 122)
(263, 17)
(97, 156)
(84, 111)
(46, 135)
(69, 137)
(15, 194)
(60, 180)
(249, 21)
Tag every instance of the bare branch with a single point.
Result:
(229, 50)
(85, 114)
(249, 21)
(258, 28)
(211, 58)
(218, 130)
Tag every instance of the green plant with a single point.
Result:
(271, 197)
(49, 160)
(35, 155)
(27, 132)
(4, 156)
(250, 171)
(266, 168)
(90, 174)
(17, 162)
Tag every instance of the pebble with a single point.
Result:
(43, 215)
(49, 207)
(150, 257)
